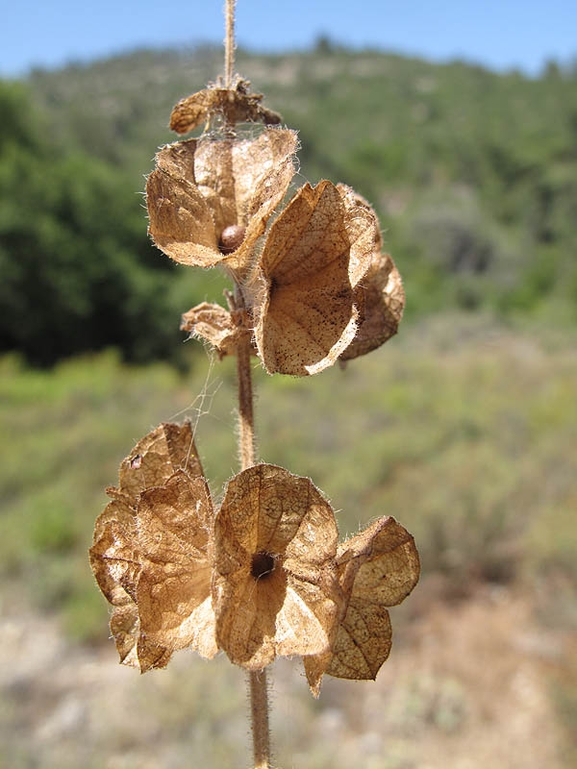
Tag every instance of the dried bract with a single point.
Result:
(275, 587)
(202, 188)
(320, 290)
(383, 301)
(379, 294)
(157, 456)
(174, 534)
(116, 554)
(116, 565)
(215, 325)
(316, 254)
(231, 105)
(261, 578)
(377, 568)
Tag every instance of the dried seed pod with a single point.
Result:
(232, 105)
(157, 456)
(275, 587)
(316, 253)
(377, 568)
(116, 557)
(263, 578)
(174, 525)
(201, 188)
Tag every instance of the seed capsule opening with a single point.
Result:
(262, 565)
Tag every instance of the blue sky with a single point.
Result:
(500, 34)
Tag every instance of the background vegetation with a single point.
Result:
(474, 175)
(464, 426)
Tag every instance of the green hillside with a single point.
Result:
(474, 175)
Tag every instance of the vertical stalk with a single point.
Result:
(246, 433)
(229, 44)
(259, 707)
(259, 719)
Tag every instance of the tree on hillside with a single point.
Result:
(78, 272)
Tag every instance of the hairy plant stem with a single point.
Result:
(259, 718)
(259, 707)
(229, 44)
(246, 433)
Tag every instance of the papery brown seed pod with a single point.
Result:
(316, 254)
(383, 301)
(377, 568)
(275, 590)
(116, 556)
(202, 188)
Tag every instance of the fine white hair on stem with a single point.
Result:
(229, 43)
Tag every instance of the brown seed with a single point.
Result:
(231, 238)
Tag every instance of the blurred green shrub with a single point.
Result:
(78, 271)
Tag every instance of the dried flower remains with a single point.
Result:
(123, 556)
(311, 277)
(230, 105)
(203, 187)
(261, 574)
(260, 577)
